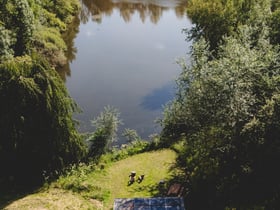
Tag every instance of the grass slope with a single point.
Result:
(97, 189)
(54, 199)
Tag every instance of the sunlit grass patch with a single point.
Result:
(96, 186)
(111, 180)
(55, 199)
(114, 179)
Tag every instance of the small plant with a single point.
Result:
(131, 135)
(106, 127)
(75, 176)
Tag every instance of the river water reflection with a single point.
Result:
(126, 58)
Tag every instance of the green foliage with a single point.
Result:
(106, 127)
(227, 114)
(64, 10)
(50, 19)
(275, 25)
(98, 144)
(37, 133)
(131, 135)
(6, 42)
(135, 147)
(49, 38)
(17, 16)
(108, 120)
(49, 43)
(275, 4)
(74, 177)
(214, 19)
(22, 21)
(32, 25)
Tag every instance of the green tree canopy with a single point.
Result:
(106, 127)
(226, 112)
(17, 16)
(37, 133)
(214, 19)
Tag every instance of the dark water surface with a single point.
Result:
(126, 57)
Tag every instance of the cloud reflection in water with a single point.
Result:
(158, 97)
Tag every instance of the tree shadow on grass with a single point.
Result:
(11, 194)
(155, 190)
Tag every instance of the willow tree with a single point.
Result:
(37, 132)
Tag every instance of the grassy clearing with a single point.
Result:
(154, 165)
(96, 188)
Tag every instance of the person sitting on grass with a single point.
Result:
(140, 178)
(131, 177)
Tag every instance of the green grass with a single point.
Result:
(96, 187)
(54, 199)
(154, 165)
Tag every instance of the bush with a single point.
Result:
(135, 147)
(106, 127)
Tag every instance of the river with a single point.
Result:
(125, 57)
